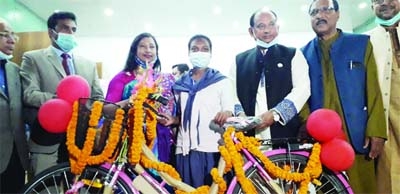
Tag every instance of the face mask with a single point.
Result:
(264, 44)
(5, 56)
(389, 22)
(143, 63)
(66, 42)
(200, 59)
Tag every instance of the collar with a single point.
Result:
(60, 52)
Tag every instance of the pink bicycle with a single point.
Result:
(121, 176)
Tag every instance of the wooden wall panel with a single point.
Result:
(29, 41)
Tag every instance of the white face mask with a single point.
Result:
(264, 44)
(200, 59)
(5, 56)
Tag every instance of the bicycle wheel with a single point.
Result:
(331, 183)
(59, 179)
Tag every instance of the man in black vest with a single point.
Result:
(271, 80)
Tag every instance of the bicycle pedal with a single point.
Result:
(96, 183)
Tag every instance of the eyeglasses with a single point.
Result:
(263, 26)
(379, 2)
(324, 10)
(9, 35)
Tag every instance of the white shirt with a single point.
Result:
(298, 95)
(207, 103)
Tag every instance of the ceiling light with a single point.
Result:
(108, 12)
(235, 24)
(304, 8)
(13, 15)
(148, 27)
(362, 5)
(217, 10)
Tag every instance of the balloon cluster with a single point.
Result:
(55, 114)
(325, 126)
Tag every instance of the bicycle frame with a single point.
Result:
(253, 162)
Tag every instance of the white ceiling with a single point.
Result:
(187, 17)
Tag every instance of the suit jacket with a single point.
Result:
(41, 72)
(12, 130)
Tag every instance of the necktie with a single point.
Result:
(65, 57)
(3, 82)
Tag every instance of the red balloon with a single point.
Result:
(54, 115)
(337, 154)
(324, 125)
(73, 87)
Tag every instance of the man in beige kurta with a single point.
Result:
(387, 54)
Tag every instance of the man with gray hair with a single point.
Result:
(13, 145)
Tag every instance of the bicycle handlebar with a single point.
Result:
(239, 123)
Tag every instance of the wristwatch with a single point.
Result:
(276, 116)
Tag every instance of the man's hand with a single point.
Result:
(221, 117)
(267, 120)
(376, 146)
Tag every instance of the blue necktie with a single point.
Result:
(3, 81)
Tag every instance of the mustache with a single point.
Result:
(321, 21)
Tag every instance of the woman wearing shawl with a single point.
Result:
(203, 95)
(143, 54)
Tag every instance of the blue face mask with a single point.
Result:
(389, 22)
(142, 63)
(66, 42)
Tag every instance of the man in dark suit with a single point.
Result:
(271, 80)
(13, 145)
(41, 71)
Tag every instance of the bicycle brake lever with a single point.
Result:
(146, 105)
(216, 128)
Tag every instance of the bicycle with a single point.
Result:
(110, 162)
(122, 177)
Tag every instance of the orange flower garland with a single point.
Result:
(218, 180)
(112, 141)
(200, 190)
(237, 162)
(136, 114)
(311, 172)
(160, 167)
(80, 158)
(151, 128)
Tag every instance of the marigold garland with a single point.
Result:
(160, 167)
(237, 162)
(312, 170)
(136, 114)
(199, 190)
(151, 127)
(112, 141)
(218, 180)
(79, 158)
